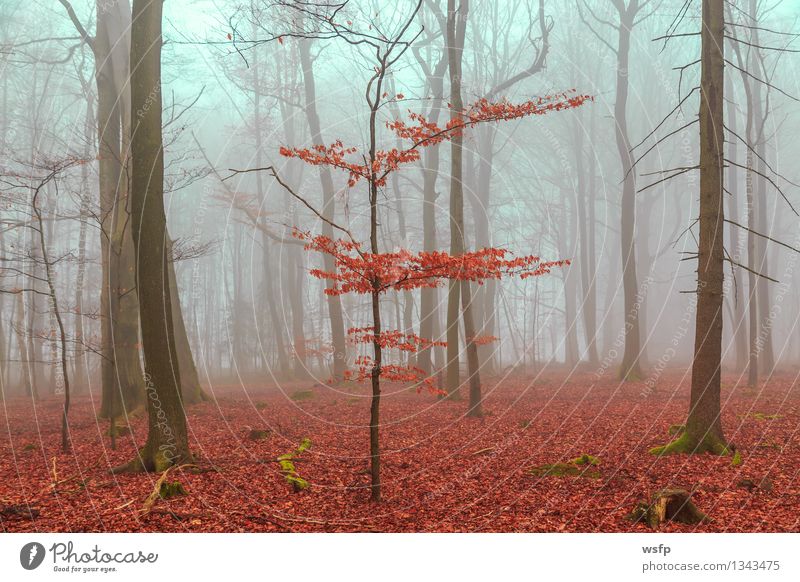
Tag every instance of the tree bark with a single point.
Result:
(456, 29)
(630, 368)
(167, 439)
(704, 427)
(328, 210)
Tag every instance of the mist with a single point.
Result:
(346, 188)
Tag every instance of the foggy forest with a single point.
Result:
(413, 266)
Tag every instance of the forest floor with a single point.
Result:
(441, 471)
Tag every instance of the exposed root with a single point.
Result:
(164, 490)
(148, 462)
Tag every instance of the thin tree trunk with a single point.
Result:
(630, 369)
(737, 319)
(456, 27)
(328, 210)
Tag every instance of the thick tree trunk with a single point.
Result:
(568, 234)
(122, 382)
(704, 427)
(766, 352)
(429, 322)
(167, 440)
(486, 294)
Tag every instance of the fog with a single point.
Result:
(234, 91)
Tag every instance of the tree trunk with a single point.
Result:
(704, 427)
(191, 389)
(328, 210)
(456, 28)
(737, 320)
(122, 384)
(429, 323)
(167, 440)
(630, 369)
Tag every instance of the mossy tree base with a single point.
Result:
(668, 505)
(630, 374)
(148, 461)
(687, 444)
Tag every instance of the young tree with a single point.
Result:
(374, 272)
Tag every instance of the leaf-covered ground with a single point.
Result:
(441, 471)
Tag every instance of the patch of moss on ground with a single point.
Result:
(169, 490)
(302, 395)
(257, 435)
(564, 470)
(288, 469)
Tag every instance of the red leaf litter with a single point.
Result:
(442, 471)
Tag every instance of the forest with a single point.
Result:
(413, 266)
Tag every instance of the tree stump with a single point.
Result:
(668, 505)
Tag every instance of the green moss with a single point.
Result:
(762, 416)
(525, 424)
(585, 459)
(737, 459)
(257, 435)
(676, 429)
(305, 444)
(687, 445)
(162, 462)
(169, 490)
(288, 469)
(261, 405)
(31, 447)
(298, 483)
(629, 376)
(302, 395)
(563, 470)
(287, 466)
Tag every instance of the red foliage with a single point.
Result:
(408, 342)
(423, 133)
(392, 373)
(482, 340)
(362, 272)
(358, 271)
(392, 339)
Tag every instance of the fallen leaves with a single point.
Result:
(441, 470)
